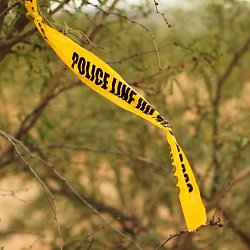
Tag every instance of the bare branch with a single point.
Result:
(15, 143)
(6, 44)
(59, 7)
(92, 32)
(243, 174)
(67, 186)
(91, 243)
(12, 193)
(133, 22)
(137, 54)
(234, 61)
(101, 151)
(162, 14)
(171, 236)
(31, 119)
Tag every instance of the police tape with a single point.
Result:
(104, 80)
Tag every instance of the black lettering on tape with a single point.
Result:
(186, 178)
(147, 109)
(124, 92)
(143, 105)
(159, 119)
(93, 75)
(185, 175)
(131, 96)
(162, 121)
(105, 80)
(181, 157)
(112, 91)
(183, 168)
(87, 75)
(98, 73)
(152, 110)
(139, 103)
(119, 88)
(75, 58)
(81, 65)
(190, 188)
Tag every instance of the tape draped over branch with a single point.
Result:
(99, 76)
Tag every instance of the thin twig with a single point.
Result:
(96, 231)
(50, 196)
(243, 174)
(171, 236)
(12, 193)
(86, 148)
(16, 142)
(137, 54)
(91, 243)
(133, 22)
(162, 14)
(218, 207)
(59, 7)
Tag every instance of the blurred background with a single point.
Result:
(79, 172)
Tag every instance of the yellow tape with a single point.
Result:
(103, 79)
